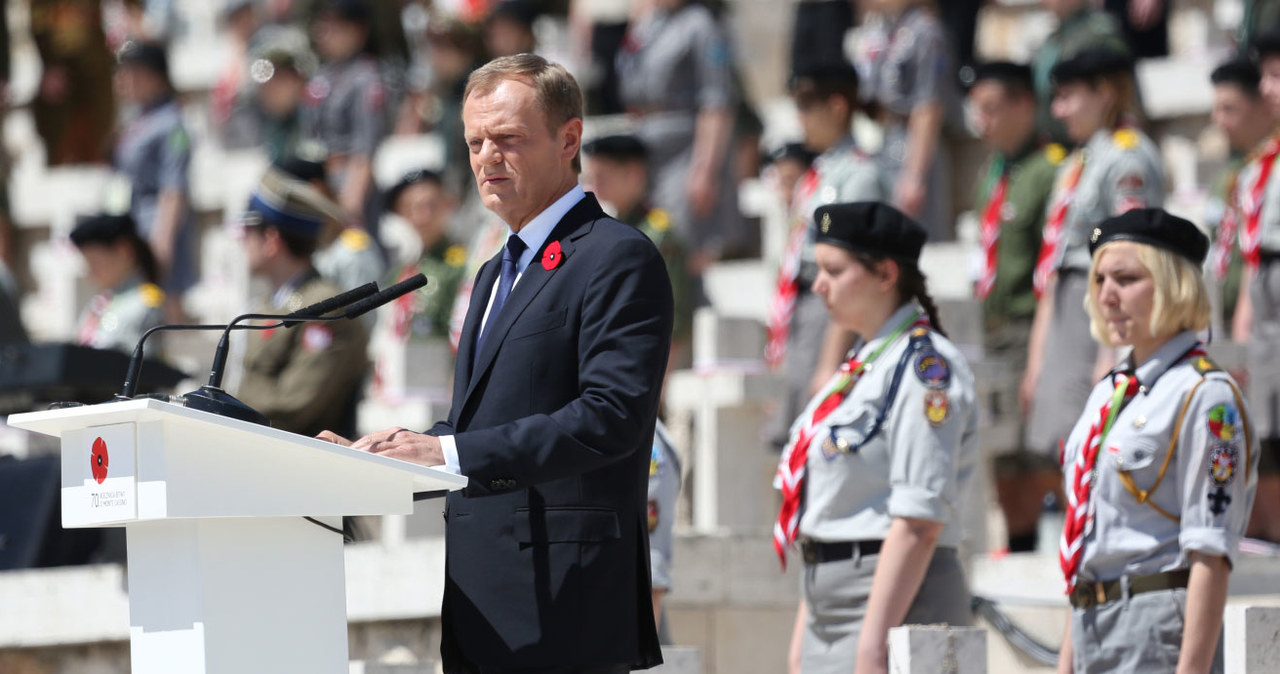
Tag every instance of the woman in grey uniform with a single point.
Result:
(1115, 168)
(675, 73)
(1161, 468)
(880, 458)
(908, 75)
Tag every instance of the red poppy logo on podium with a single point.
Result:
(551, 256)
(98, 460)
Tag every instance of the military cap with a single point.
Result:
(870, 227)
(1005, 72)
(796, 151)
(1266, 44)
(621, 147)
(104, 229)
(147, 55)
(413, 177)
(1090, 63)
(355, 11)
(1154, 227)
(288, 204)
(1239, 71)
(305, 169)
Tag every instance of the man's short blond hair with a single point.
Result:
(1181, 301)
(557, 90)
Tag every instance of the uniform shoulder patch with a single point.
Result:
(151, 294)
(1125, 139)
(1204, 364)
(179, 142)
(355, 239)
(455, 256)
(1223, 421)
(1055, 153)
(659, 220)
(937, 407)
(1222, 464)
(317, 337)
(930, 367)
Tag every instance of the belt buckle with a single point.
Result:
(809, 551)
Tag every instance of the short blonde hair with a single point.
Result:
(1181, 301)
(558, 92)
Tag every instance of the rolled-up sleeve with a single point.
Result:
(1219, 471)
(714, 60)
(922, 467)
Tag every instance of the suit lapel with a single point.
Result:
(574, 225)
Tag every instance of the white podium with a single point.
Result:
(226, 574)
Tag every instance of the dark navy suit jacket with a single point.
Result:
(547, 547)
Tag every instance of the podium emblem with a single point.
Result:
(99, 460)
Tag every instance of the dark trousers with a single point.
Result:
(602, 669)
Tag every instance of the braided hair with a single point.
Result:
(911, 285)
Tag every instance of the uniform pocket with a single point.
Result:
(527, 327)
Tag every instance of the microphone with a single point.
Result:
(384, 296)
(135, 361)
(211, 398)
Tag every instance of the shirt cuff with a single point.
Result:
(917, 503)
(449, 447)
(1210, 541)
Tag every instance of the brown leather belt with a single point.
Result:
(1095, 593)
(817, 552)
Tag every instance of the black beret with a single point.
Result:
(820, 74)
(411, 178)
(1089, 63)
(148, 55)
(1154, 227)
(1239, 71)
(354, 11)
(796, 151)
(1004, 72)
(1266, 43)
(622, 147)
(870, 227)
(103, 229)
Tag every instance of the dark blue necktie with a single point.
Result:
(506, 279)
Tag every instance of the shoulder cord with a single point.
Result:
(917, 344)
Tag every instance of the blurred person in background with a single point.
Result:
(598, 28)
(879, 461)
(153, 152)
(269, 115)
(508, 30)
(1161, 466)
(1115, 168)
(1259, 17)
(1246, 120)
(454, 50)
(787, 165)
(617, 172)
(121, 267)
(1011, 198)
(1081, 24)
(664, 492)
(345, 106)
(420, 198)
(1257, 317)
(306, 378)
(818, 32)
(908, 78)
(240, 21)
(676, 78)
(74, 107)
(804, 344)
(1144, 24)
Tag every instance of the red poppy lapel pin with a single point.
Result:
(552, 256)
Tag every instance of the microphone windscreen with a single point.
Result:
(386, 295)
(336, 302)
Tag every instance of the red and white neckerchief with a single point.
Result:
(402, 309)
(989, 234)
(787, 288)
(795, 456)
(89, 328)
(1220, 255)
(1251, 206)
(1047, 260)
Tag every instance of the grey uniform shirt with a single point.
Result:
(664, 490)
(345, 107)
(1122, 171)
(920, 461)
(1269, 216)
(845, 174)
(905, 61)
(1210, 481)
(126, 312)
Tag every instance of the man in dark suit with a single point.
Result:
(555, 396)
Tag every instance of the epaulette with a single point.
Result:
(355, 239)
(1055, 153)
(659, 220)
(455, 256)
(1125, 139)
(151, 295)
(1204, 365)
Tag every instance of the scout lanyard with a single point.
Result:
(990, 232)
(788, 284)
(1048, 257)
(1081, 475)
(1251, 236)
(97, 307)
(791, 469)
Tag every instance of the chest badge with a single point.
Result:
(833, 446)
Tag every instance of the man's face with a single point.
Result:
(999, 116)
(520, 165)
(620, 183)
(1270, 85)
(1235, 112)
(255, 248)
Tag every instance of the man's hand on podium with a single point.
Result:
(397, 443)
